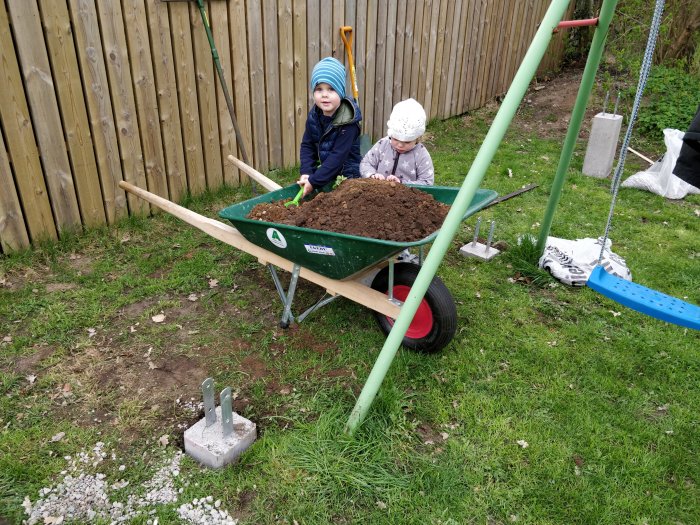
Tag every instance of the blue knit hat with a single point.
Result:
(332, 72)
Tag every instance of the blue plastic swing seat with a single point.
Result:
(644, 300)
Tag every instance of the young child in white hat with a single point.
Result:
(399, 157)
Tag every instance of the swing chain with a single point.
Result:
(643, 76)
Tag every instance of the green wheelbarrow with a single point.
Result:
(361, 269)
(348, 257)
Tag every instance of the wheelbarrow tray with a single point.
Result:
(335, 255)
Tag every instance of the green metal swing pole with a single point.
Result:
(584, 92)
(471, 183)
(222, 81)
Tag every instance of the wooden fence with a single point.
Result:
(98, 91)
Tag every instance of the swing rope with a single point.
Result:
(632, 295)
(643, 76)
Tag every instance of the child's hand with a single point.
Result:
(393, 178)
(304, 181)
(377, 176)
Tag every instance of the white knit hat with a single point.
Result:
(407, 121)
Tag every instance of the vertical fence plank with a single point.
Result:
(313, 28)
(325, 23)
(119, 76)
(349, 20)
(452, 55)
(448, 63)
(389, 63)
(21, 147)
(379, 64)
(241, 81)
(397, 77)
(370, 67)
(286, 66)
(481, 57)
(301, 79)
(359, 31)
(13, 233)
(44, 109)
(272, 82)
(64, 64)
(431, 72)
(470, 54)
(227, 133)
(144, 89)
(167, 100)
(337, 21)
(521, 45)
(407, 59)
(424, 48)
(96, 89)
(509, 27)
(183, 57)
(541, 8)
(515, 16)
(461, 40)
(485, 52)
(206, 92)
(495, 56)
(257, 84)
(438, 69)
(416, 57)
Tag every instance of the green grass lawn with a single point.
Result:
(552, 404)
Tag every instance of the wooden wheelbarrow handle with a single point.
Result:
(268, 184)
(346, 35)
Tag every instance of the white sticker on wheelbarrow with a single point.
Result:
(319, 250)
(276, 238)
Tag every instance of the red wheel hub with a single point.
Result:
(422, 322)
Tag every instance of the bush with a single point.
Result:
(671, 99)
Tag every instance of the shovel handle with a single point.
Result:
(346, 35)
(296, 200)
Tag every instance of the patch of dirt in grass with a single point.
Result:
(30, 363)
(547, 105)
(365, 208)
(255, 367)
(81, 263)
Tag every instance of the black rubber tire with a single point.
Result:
(438, 300)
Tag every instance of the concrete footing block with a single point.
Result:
(208, 446)
(602, 145)
(479, 250)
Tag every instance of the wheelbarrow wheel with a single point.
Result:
(435, 321)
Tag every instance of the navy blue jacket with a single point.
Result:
(331, 145)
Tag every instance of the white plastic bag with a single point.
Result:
(572, 262)
(659, 178)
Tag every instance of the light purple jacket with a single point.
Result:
(415, 167)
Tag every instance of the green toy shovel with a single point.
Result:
(296, 199)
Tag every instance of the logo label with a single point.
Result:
(319, 250)
(276, 238)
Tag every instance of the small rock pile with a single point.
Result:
(83, 496)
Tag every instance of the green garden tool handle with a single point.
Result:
(296, 199)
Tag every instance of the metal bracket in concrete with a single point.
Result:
(602, 142)
(221, 436)
(482, 251)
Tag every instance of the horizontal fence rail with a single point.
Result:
(99, 91)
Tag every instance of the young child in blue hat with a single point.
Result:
(331, 142)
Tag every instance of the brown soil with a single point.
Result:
(364, 207)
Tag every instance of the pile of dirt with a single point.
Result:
(364, 207)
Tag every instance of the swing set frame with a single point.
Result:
(635, 296)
